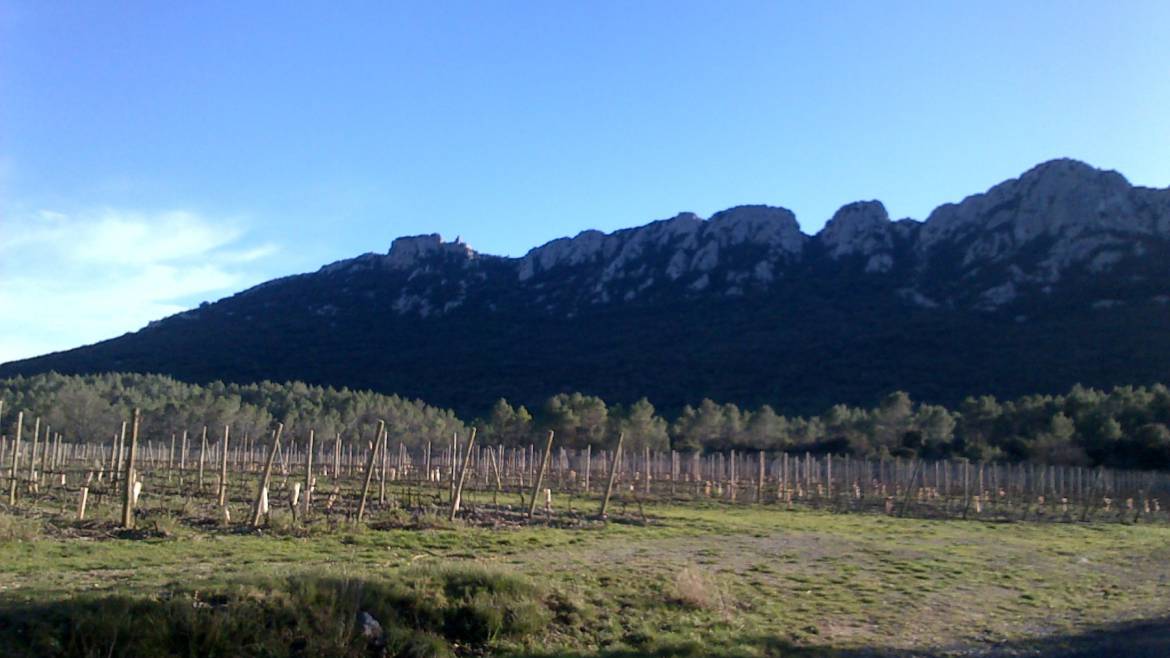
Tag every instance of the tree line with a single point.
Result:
(1125, 427)
(92, 407)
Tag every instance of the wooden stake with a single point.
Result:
(337, 457)
(496, 468)
(309, 474)
(56, 449)
(760, 480)
(130, 475)
(262, 492)
(383, 463)
(646, 470)
(202, 453)
(121, 450)
(456, 499)
(540, 474)
(83, 496)
(15, 459)
(370, 469)
(427, 459)
(32, 455)
(588, 465)
(182, 458)
(223, 481)
(613, 465)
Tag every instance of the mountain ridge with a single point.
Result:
(1043, 260)
(858, 228)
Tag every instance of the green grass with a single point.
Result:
(700, 579)
(426, 611)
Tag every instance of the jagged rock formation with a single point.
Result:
(1066, 268)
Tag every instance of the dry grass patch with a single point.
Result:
(697, 589)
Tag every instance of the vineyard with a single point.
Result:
(179, 545)
(249, 478)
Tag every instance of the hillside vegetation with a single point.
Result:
(1125, 427)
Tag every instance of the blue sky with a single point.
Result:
(153, 155)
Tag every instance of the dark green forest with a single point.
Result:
(1125, 427)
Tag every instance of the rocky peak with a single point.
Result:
(406, 252)
(862, 227)
(1066, 194)
(762, 225)
(582, 248)
(686, 243)
(1059, 196)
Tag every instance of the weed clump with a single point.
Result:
(695, 590)
(19, 528)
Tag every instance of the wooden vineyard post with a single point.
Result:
(121, 450)
(14, 475)
(308, 493)
(966, 487)
(258, 509)
(496, 468)
(981, 491)
(286, 456)
(917, 466)
(782, 487)
(829, 476)
(223, 464)
(427, 460)
(202, 453)
(83, 496)
(53, 453)
(337, 458)
(454, 458)
(43, 473)
(370, 469)
(646, 470)
(32, 455)
(613, 464)
(674, 471)
(588, 465)
(403, 463)
(808, 481)
(130, 476)
(540, 474)
(45, 453)
(760, 480)
(384, 462)
(456, 499)
(182, 459)
(110, 467)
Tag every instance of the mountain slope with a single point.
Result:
(1059, 276)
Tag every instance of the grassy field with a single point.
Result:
(699, 579)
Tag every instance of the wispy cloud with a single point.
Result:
(68, 279)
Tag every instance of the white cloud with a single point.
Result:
(73, 279)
